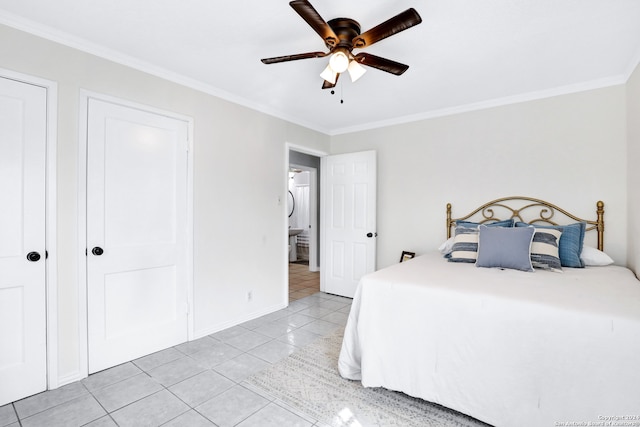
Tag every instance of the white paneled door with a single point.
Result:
(349, 220)
(136, 232)
(23, 130)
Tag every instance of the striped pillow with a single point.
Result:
(465, 245)
(571, 242)
(544, 249)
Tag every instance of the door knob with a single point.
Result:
(33, 256)
(97, 251)
(370, 235)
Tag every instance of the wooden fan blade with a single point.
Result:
(400, 22)
(286, 58)
(383, 64)
(315, 21)
(329, 85)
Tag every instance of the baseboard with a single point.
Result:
(222, 326)
(70, 378)
(77, 375)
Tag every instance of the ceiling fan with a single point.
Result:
(342, 35)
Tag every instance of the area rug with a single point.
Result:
(308, 380)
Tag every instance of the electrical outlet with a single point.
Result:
(249, 296)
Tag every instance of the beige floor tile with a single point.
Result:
(302, 282)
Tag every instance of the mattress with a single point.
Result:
(504, 346)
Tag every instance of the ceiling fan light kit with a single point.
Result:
(356, 70)
(329, 75)
(339, 60)
(342, 35)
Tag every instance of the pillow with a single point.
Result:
(504, 223)
(465, 245)
(503, 247)
(467, 242)
(571, 242)
(446, 248)
(594, 257)
(544, 249)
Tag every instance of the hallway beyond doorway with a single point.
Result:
(302, 282)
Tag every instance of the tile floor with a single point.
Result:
(199, 383)
(302, 282)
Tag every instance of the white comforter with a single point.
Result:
(507, 347)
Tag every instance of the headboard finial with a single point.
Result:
(600, 225)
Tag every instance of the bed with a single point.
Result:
(507, 347)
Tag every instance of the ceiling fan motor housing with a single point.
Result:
(346, 29)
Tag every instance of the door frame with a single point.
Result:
(51, 244)
(83, 315)
(285, 217)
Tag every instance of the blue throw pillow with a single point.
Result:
(571, 242)
(504, 223)
(505, 247)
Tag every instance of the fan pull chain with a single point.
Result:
(333, 92)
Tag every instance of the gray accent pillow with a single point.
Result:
(505, 247)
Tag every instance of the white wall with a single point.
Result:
(239, 175)
(633, 195)
(569, 150)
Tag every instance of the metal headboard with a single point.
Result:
(530, 210)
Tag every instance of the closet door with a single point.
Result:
(23, 125)
(136, 232)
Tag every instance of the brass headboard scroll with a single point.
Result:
(522, 208)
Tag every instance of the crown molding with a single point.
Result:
(51, 34)
(83, 45)
(492, 103)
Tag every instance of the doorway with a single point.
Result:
(346, 216)
(303, 246)
(301, 224)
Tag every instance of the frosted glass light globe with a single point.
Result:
(339, 62)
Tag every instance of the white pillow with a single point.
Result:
(447, 246)
(594, 257)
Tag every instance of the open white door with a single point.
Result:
(136, 232)
(23, 133)
(348, 218)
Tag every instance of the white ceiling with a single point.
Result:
(466, 54)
